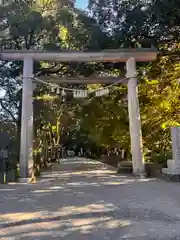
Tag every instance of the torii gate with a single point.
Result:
(129, 56)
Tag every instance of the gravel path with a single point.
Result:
(81, 199)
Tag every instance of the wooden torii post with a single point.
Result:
(129, 56)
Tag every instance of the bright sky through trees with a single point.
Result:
(81, 3)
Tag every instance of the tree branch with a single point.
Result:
(8, 111)
(50, 70)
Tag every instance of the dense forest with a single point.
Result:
(94, 123)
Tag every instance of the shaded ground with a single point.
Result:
(82, 199)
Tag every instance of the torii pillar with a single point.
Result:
(134, 119)
(26, 144)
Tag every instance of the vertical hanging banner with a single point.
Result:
(58, 91)
(53, 89)
(63, 93)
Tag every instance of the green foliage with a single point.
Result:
(138, 22)
(97, 122)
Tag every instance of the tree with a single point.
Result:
(65, 28)
(138, 22)
(99, 122)
(143, 24)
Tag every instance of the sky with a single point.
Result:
(81, 3)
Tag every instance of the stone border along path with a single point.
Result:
(81, 199)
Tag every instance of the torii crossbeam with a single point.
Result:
(120, 55)
(129, 56)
